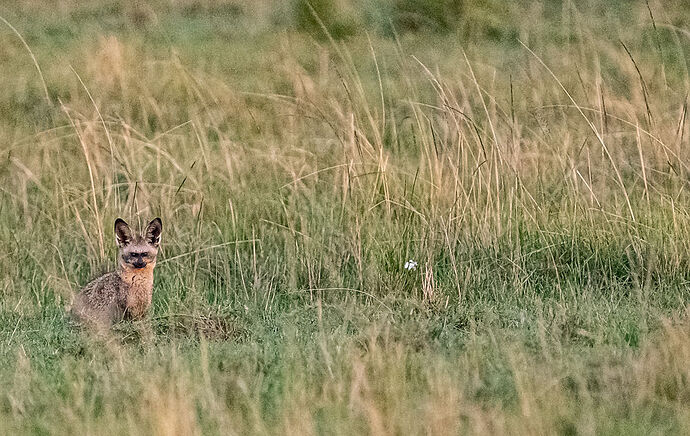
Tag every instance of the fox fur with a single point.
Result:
(127, 292)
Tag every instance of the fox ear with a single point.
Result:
(123, 234)
(153, 232)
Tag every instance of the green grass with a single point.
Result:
(535, 170)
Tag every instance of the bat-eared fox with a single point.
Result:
(125, 293)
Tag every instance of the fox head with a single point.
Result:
(137, 251)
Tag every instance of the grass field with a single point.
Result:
(532, 157)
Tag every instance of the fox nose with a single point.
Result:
(138, 264)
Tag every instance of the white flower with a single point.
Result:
(410, 265)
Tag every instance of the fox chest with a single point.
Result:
(138, 294)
